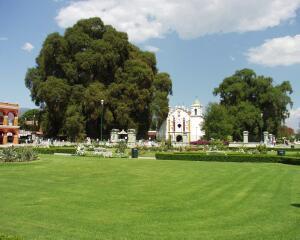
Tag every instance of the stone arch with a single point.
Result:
(11, 117)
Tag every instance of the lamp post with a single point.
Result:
(261, 127)
(102, 102)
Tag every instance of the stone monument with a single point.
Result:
(114, 136)
(245, 137)
(266, 137)
(131, 137)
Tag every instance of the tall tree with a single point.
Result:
(255, 103)
(93, 62)
(218, 123)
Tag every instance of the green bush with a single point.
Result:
(52, 150)
(229, 158)
(22, 154)
(262, 149)
(8, 155)
(26, 154)
(121, 147)
(290, 160)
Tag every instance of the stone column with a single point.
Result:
(16, 139)
(131, 137)
(266, 139)
(245, 137)
(114, 137)
(4, 141)
(16, 121)
(5, 119)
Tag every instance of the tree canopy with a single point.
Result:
(254, 103)
(93, 62)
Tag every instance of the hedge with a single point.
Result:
(230, 158)
(53, 150)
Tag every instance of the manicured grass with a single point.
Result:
(89, 198)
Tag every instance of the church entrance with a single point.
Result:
(179, 138)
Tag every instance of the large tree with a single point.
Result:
(91, 62)
(255, 103)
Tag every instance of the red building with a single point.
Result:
(9, 129)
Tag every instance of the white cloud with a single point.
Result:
(145, 19)
(151, 48)
(232, 58)
(277, 51)
(3, 38)
(28, 47)
(294, 120)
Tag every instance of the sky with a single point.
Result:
(198, 42)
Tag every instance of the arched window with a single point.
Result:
(195, 111)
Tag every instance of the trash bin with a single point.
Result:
(134, 153)
(281, 152)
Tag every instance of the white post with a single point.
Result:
(245, 137)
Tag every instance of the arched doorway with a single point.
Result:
(179, 138)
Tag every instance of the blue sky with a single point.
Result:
(197, 43)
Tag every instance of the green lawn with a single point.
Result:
(91, 198)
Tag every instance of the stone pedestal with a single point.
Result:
(131, 137)
(114, 137)
(245, 137)
(266, 137)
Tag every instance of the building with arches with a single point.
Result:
(9, 129)
(183, 125)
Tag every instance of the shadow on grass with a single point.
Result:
(296, 205)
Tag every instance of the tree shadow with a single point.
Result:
(296, 205)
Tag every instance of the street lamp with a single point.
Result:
(102, 102)
(261, 127)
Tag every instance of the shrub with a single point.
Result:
(121, 147)
(219, 158)
(26, 154)
(12, 154)
(262, 148)
(52, 150)
(8, 155)
(290, 160)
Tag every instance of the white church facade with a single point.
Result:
(183, 125)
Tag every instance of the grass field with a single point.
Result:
(90, 198)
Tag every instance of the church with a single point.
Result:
(183, 125)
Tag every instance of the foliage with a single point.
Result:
(32, 115)
(217, 144)
(228, 157)
(9, 154)
(248, 102)
(52, 150)
(262, 149)
(286, 132)
(121, 147)
(91, 62)
(218, 123)
(12, 154)
(80, 150)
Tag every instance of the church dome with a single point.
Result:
(196, 102)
